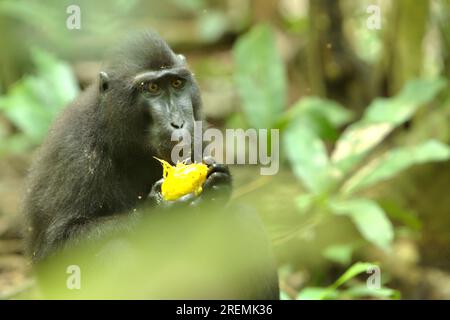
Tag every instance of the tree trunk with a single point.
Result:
(334, 70)
(403, 55)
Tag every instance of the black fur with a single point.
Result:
(97, 160)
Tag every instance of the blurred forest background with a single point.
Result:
(363, 107)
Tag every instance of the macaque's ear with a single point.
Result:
(103, 81)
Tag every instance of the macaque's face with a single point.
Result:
(166, 96)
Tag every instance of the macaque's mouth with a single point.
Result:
(182, 152)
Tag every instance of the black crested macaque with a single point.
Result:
(95, 179)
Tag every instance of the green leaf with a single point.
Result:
(260, 77)
(341, 254)
(380, 118)
(404, 215)
(352, 272)
(57, 75)
(236, 121)
(212, 25)
(403, 106)
(331, 292)
(334, 113)
(23, 109)
(369, 218)
(394, 161)
(320, 115)
(316, 293)
(356, 141)
(364, 291)
(33, 102)
(308, 157)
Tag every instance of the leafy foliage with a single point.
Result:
(380, 118)
(311, 165)
(312, 127)
(31, 106)
(396, 160)
(260, 77)
(320, 115)
(369, 218)
(338, 177)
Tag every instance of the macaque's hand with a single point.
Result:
(217, 188)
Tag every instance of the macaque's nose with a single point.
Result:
(177, 124)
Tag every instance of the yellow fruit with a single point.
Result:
(182, 179)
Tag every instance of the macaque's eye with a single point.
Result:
(177, 83)
(153, 87)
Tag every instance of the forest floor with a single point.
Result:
(14, 268)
